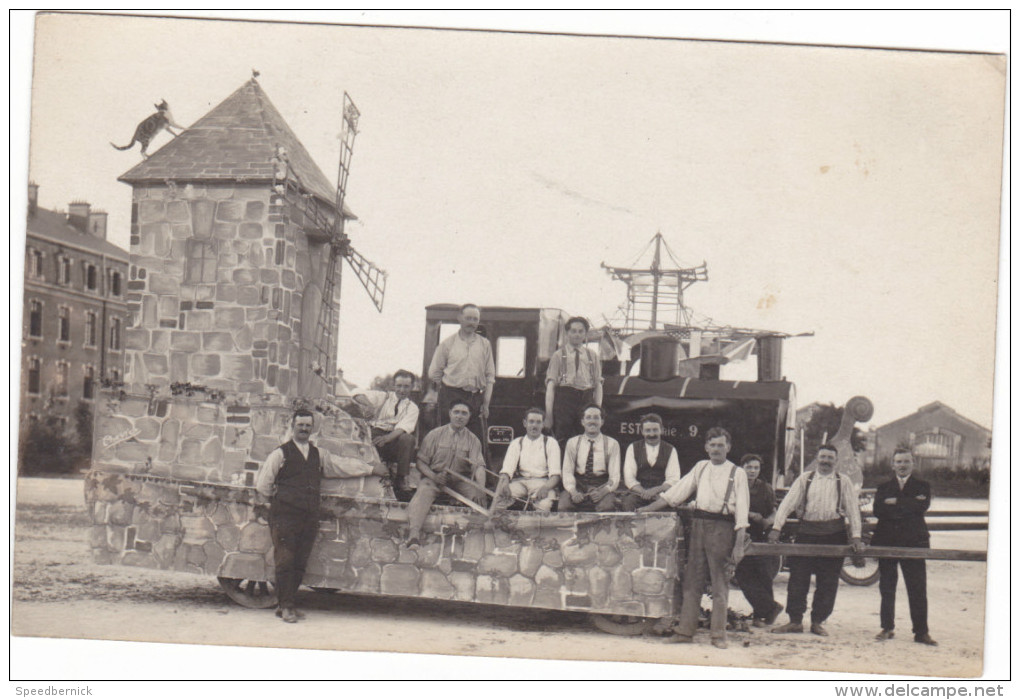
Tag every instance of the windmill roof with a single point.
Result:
(235, 141)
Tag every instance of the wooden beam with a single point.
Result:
(839, 550)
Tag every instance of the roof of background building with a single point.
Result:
(53, 226)
(235, 141)
(933, 407)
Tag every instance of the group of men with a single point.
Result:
(732, 506)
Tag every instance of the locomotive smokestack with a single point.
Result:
(660, 358)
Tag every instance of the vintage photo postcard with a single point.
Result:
(486, 346)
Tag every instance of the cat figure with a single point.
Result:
(151, 126)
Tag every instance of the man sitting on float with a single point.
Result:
(650, 467)
(534, 459)
(591, 466)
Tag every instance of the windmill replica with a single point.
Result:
(237, 246)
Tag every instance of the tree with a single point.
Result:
(824, 422)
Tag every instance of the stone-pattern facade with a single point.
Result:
(617, 563)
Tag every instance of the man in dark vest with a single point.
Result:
(289, 481)
(900, 504)
(650, 467)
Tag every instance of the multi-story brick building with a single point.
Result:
(75, 311)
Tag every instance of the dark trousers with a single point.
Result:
(567, 406)
(754, 576)
(631, 501)
(293, 531)
(400, 451)
(826, 571)
(449, 394)
(915, 576)
(710, 548)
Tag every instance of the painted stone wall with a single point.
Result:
(617, 563)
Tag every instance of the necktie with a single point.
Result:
(396, 408)
(577, 362)
(589, 464)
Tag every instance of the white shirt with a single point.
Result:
(575, 456)
(630, 466)
(821, 501)
(389, 415)
(265, 478)
(710, 482)
(527, 458)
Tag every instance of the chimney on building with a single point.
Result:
(33, 199)
(78, 215)
(97, 224)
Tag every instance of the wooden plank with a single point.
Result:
(838, 550)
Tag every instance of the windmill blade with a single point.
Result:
(372, 277)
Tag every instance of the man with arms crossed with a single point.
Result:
(826, 503)
(448, 448)
(900, 504)
(463, 370)
(591, 466)
(718, 533)
(289, 481)
(573, 380)
(650, 467)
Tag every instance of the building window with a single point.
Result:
(88, 387)
(35, 319)
(64, 324)
(115, 376)
(63, 270)
(201, 263)
(60, 379)
(115, 334)
(115, 284)
(91, 326)
(91, 277)
(35, 264)
(34, 376)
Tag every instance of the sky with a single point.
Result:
(845, 192)
(853, 193)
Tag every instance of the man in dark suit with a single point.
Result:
(900, 504)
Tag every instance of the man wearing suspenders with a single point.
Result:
(536, 457)
(591, 467)
(826, 504)
(573, 381)
(650, 467)
(718, 533)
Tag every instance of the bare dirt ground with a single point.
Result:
(58, 592)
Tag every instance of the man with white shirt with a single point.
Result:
(573, 380)
(718, 533)
(394, 419)
(536, 459)
(650, 467)
(826, 503)
(289, 482)
(463, 369)
(591, 466)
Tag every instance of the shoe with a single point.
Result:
(412, 543)
(884, 635)
(289, 615)
(771, 617)
(758, 622)
(682, 639)
(816, 628)
(720, 643)
(300, 615)
(279, 612)
(925, 639)
(789, 628)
